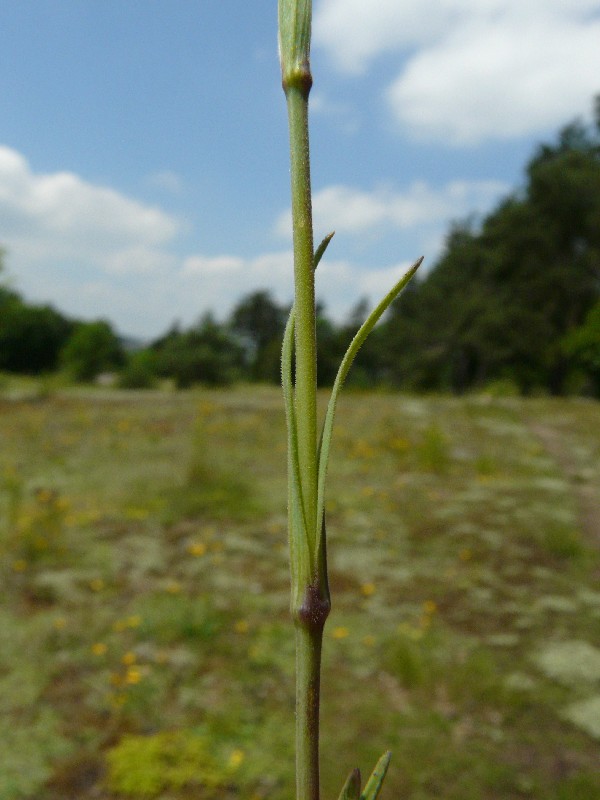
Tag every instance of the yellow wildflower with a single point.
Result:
(236, 758)
(197, 548)
(340, 632)
(44, 495)
(429, 607)
(133, 675)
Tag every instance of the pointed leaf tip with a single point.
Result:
(375, 782)
(351, 352)
(351, 790)
(321, 249)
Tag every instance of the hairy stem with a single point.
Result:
(310, 622)
(307, 461)
(304, 300)
(311, 603)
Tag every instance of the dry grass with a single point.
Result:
(145, 612)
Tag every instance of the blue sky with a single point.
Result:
(143, 143)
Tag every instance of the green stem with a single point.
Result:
(304, 300)
(311, 602)
(310, 622)
(307, 462)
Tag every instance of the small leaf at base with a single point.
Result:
(321, 249)
(373, 787)
(351, 790)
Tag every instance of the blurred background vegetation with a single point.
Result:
(513, 304)
(146, 647)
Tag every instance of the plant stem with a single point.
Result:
(309, 638)
(308, 667)
(304, 297)
(307, 462)
(312, 610)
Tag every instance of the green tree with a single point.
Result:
(260, 322)
(334, 341)
(93, 348)
(140, 370)
(31, 337)
(582, 347)
(503, 296)
(206, 354)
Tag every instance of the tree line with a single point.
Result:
(513, 302)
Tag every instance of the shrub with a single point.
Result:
(146, 766)
(140, 371)
(93, 348)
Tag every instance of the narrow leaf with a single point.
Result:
(375, 782)
(321, 249)
(301, 561)
(349, 357)
(299, 539)
(351, 790)
(322, 561)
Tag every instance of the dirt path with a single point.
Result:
(560, 447)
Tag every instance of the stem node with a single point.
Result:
(314, 610)
(300, 79)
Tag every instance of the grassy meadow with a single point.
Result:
(146, 649)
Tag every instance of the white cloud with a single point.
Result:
(473, 69)
(498, 83)
(222, 280)
(354, 32)
(88, 248)
(96, 253)
(139, 260)
(340, 283)
(355, 211)
(207, 267)
(60, 216)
